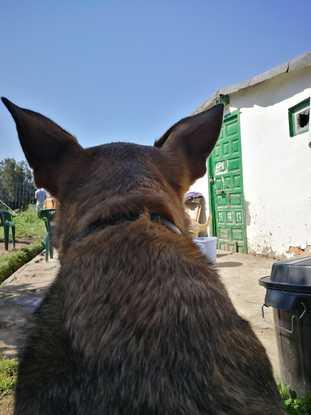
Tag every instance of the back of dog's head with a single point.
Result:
(128, 176)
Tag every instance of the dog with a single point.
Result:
(136, 321)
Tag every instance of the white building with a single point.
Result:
(258, 185)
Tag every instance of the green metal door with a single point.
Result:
(226, 187)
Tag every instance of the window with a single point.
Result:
(299, 118)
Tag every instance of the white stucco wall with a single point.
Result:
(276, 167)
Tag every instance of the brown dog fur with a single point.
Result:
(136, 321)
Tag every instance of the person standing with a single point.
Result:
(40, 196)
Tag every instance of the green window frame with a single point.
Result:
(299, 118)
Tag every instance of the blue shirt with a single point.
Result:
(40, 195)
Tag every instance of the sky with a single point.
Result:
(114, 70)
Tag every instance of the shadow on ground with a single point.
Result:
(228, 264)
(17, 303)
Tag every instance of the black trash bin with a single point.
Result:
(289, 293)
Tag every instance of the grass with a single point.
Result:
(10, 262)
(8, 370)
(295, 405)
(28, 225)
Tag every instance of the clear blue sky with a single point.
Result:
(125, 70)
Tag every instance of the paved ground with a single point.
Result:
(240, 274)
(20, 294)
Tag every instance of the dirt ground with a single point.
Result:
(21, 243)
(23, 291)
(6, 405)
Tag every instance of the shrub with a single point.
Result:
(293, 404)
(9, 263)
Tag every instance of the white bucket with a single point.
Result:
(207, 245)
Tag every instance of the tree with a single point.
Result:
(16, 183)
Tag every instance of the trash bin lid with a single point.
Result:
(292, 271)
(290, 275)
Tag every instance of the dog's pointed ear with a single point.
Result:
(192, 139)
(45, 144)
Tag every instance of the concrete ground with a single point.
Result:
(22, 292)
(240, 274)
(19, 296)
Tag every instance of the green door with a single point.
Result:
(226, 187)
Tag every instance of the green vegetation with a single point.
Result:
(28, 225)
(8, 369)
(16, 184)
(10, 262)
(293, 404)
